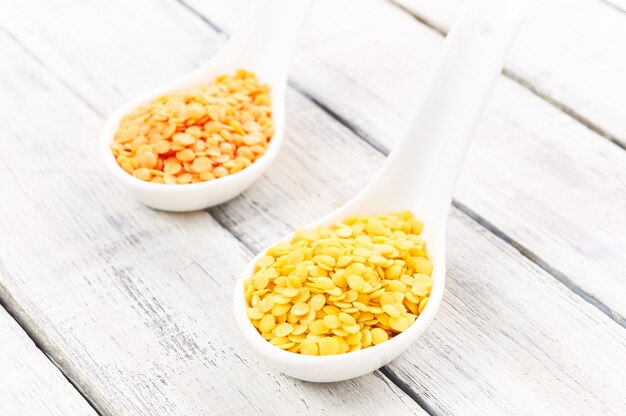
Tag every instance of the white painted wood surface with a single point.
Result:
(137, 308)
(569, 50)
(134, 304)
(533, 173)
(503, 318)
(29, 383)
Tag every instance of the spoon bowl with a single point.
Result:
(263, 45)
(419, 174)
(342, 366)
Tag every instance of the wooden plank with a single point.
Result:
(134, 304)
(508, 339)
(30, 384)
(569, 51)
(547, 183)
(462, 362)
(511, 339)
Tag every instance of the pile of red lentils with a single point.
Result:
(341, 288)
(208, 132)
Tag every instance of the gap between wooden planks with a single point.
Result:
(473, 376)
(580, 118)
(568, 51)
(133, 304)
(533, 175)
(29, 383)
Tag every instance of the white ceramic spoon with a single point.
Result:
(419, 174)
(263, 44)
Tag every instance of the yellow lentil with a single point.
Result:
(267, 323)
(340, 288)
(379, 336)
(332, 321)
(308, 347)
(207, 132)
(317, 302)
(283, 329)
(328, 346)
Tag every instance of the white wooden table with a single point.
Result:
(111, 308)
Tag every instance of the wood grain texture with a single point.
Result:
(570, 51)
(509, 339)
(29, 383)
(133, 304)
(548, 183)
(463, 365)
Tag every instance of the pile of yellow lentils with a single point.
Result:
(202, 134)
(341, 288)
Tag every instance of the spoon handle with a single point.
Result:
(265, 38)
(421, 171)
